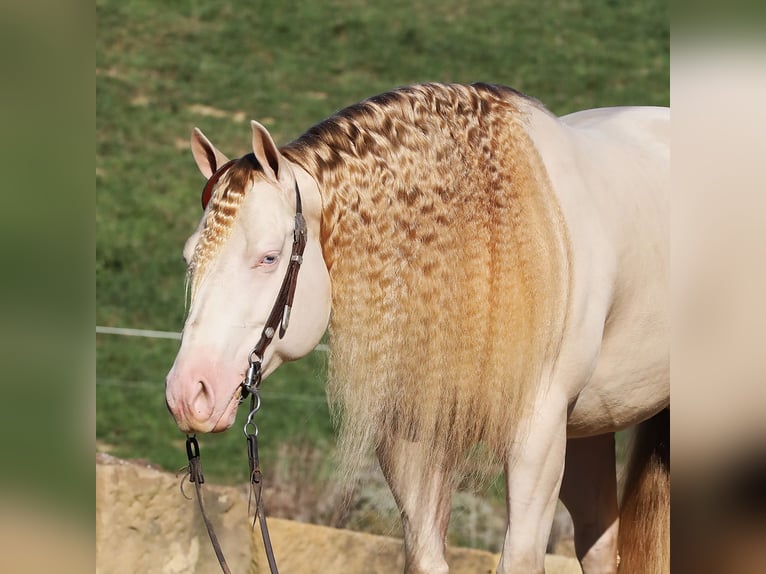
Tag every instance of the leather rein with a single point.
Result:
(277, 322)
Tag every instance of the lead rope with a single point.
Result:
(256, 478)
(250, 386)
(196, 477)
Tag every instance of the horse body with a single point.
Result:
(498, 276)
(610, 170)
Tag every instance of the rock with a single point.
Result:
(144, 524)
(310, 549)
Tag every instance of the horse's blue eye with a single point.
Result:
(269, 259)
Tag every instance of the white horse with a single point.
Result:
(496, 275)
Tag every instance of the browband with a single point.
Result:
(207, 191)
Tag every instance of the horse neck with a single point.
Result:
(416, 174)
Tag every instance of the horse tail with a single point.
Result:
(644, 539)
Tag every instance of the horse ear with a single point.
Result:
(266, 152)
(208, 158)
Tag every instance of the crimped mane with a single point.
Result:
(224, 206)
(448, 258)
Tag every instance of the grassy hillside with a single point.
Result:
(164, 67)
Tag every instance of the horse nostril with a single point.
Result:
(171, 402)
(203, 401)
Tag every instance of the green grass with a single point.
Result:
(290, 64)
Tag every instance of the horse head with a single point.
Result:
(237, 260)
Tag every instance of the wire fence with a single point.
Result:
(148, 333)
(154, 334)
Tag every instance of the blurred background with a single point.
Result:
(164, 67)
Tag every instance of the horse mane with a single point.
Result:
(448, 258)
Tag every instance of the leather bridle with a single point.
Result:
(279, 318)
(277, 322)
(207, 191)
(280, 312)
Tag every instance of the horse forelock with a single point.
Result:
(224, 207)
